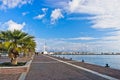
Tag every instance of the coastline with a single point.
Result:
(101, 60)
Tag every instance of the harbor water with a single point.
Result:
(112, 60)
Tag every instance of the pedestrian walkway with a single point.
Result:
(46, 68)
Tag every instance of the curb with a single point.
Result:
(23, 75)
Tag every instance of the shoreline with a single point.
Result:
(100, 60)
(94, 67)
(85, 54)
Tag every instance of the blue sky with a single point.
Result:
(74, 25)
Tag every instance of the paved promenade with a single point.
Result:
(47, 68)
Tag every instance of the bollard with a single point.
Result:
(70, 58)
(82, 60)
(107, 65)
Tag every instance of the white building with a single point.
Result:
(45, 52)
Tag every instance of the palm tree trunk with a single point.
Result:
(14, 61)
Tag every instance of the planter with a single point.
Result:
(15, 69)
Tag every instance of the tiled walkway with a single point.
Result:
(44, 68)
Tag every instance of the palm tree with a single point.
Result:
(28, 45)
(15, 41)
(1, 43)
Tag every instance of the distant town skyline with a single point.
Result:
(65, 25)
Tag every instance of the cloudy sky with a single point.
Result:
(74, 25)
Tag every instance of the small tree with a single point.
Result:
(14, 42)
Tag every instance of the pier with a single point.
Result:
(46, 67)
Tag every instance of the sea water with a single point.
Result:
(112, 60)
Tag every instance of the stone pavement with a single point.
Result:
(7, 74)
(45, 68)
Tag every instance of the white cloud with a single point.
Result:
(55, 15)
(96, 46)
(107, 45)
(25, 13)
(115, 33)
(40, 16)
(79, 38)
(44, 10)
(112, 38)
(56, 4)
(83, 38)
(77, 18)
(5, 4)
(106, 12)
(103, 14)
(11, 25)
(64, 44)
(58, 45)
